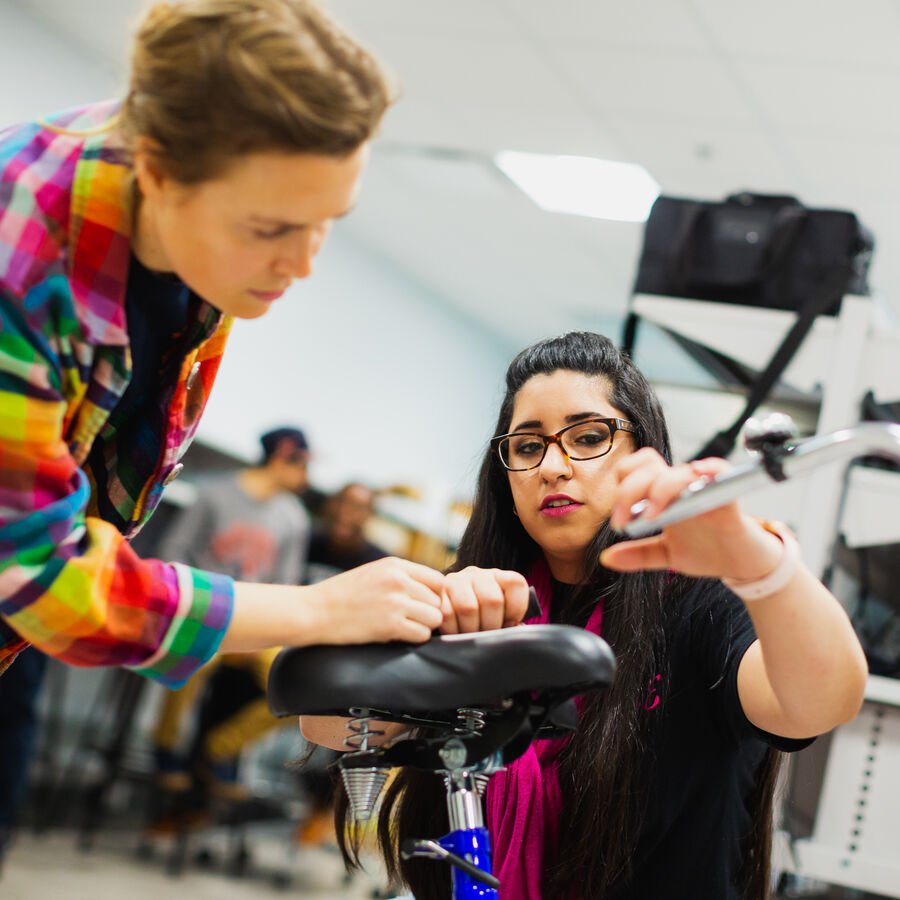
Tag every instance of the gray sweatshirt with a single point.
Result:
(228, 531)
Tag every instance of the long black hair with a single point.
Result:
(600, 813)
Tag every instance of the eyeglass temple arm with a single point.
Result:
(705, 494)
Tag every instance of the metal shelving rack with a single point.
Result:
(855, 840)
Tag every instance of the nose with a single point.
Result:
(555, 463)
(295, 259)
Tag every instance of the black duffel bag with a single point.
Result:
(751, 249)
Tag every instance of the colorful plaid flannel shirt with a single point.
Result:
(69, 581)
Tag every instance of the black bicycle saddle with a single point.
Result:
(445, 673)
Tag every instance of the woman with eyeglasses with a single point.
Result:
(132, 233)
(729, 651)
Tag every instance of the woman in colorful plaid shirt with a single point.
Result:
(131, 234)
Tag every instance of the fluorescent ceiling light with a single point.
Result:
(582, 185)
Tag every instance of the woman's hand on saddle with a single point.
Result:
(723, 542)
(477, 599)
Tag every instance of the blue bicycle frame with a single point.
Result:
(474, 845)
(467, 847)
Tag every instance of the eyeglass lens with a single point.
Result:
(586, 440)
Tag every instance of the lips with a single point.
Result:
(559, 505)
(268, 296)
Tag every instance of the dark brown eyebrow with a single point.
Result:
(575, 417)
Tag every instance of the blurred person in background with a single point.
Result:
(339, 543)
(250, 525)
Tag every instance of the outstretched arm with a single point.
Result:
(805, 674)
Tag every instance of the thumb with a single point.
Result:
(506, 578)
(634, 556)
(515, 595)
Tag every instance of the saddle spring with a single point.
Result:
(471, 721)
(362, 783)
(358, 741)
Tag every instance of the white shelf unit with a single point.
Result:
(856, 836)
(855, 840)
(845, 356)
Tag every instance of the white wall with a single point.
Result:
(391, 384)
(40, 72)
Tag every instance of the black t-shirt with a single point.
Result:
(156, 310)
(697, 799)
(323, 560)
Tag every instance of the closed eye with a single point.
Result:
(268, 234)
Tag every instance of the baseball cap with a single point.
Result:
(293, 437)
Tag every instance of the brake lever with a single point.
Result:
(413, 848)
(534, 608)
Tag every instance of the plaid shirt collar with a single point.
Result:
(100, 231)
(100, 226)
(100, 223)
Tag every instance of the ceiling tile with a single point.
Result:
(420, 123)
(475, 71)
(505, 262)
(538, 131)
(374, 18)
(834, 100)
(672, 86)
(704, 157)
(460, 180)
(831, 31)
(649, 23)
(842, 165)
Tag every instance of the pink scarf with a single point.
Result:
(524, 801)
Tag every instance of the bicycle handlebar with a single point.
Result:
(705, 494)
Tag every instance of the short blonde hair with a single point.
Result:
(215, 79)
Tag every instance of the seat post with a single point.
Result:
(463, 801)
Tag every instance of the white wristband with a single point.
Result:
(779, 576)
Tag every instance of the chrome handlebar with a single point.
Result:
(777, 461)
